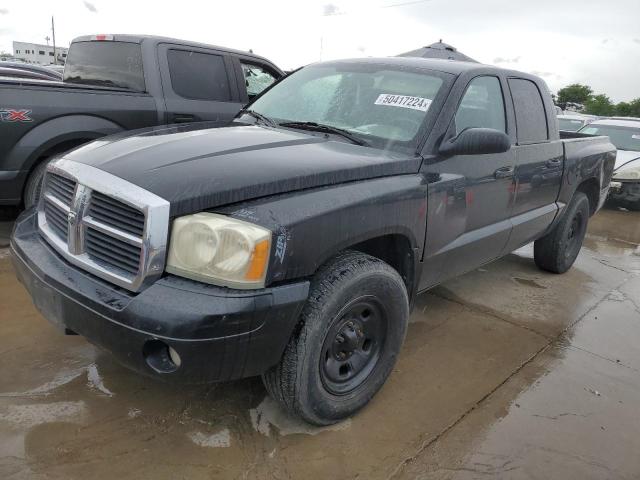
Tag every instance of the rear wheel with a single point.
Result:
(556, 251)
(347, 342)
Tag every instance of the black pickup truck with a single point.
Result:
(114, 83)
(292, 243)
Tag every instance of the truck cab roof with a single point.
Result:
(154, 39)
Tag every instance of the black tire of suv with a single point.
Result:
(556, 251)
(33, 187)
(352, 288)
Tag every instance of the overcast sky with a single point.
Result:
(564, 41)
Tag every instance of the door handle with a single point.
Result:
(183, 118)
(554, 162)
(504, 172)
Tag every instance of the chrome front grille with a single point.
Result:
(99, 222)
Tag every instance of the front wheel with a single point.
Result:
(556, 251)
(346, 343)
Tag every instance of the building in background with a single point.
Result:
(40, 54)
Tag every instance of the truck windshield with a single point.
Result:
(378, 103)
(109, 64)
(624, 138)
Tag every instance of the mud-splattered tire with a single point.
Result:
(346, 343)
(33, 187)
(556, 251)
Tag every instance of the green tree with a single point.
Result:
(575, 93)
(634, 110)
(599, 105)
(623, 109)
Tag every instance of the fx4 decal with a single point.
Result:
(12, 115)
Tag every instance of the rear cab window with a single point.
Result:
(531, 117)
(198, 76)
(106, 63)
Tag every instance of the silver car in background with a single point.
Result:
(624, 133)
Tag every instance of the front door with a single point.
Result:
(470, 196)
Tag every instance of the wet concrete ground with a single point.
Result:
(507, 372)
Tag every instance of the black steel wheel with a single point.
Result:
(353, 345)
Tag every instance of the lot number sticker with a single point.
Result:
(404, 101)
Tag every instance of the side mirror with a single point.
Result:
(476, 141)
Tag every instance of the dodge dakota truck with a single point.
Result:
(292, 243)
(114, 83)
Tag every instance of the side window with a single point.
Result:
(531, 119)
(198, 76)
(482, 106)
(256, 78)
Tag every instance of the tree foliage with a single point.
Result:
(574, 93)
(599, 105)
(596, 104)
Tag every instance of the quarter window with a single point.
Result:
(198, 76)
(256, 78)
(482, 106)
(531, 119)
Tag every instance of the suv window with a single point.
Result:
(531, 119)
(198, 76)
(112, 64)
(256, 78)
(482, 106)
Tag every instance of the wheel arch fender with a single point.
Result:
(49, 136)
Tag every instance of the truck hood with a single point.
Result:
(197, 169)
(624, 158)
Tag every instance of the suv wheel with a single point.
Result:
(346, 343)
(556, 251)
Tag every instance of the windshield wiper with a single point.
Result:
(321, 127)
(260, 117)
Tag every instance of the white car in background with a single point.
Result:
(624, 133)
(572, 123)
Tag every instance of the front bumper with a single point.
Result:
(625, 191)
(220, 334)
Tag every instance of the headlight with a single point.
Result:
(631, 173)
(220, 250)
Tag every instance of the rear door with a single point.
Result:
(470, 203)
(198, 84)
(539, 164)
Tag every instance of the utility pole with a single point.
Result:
(53, 34)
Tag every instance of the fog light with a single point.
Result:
(175, 358)
(161, 357)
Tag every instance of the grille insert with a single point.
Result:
(111, 251)
(56, 219)
(60, 187)
(116, 214)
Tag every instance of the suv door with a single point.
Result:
(470, 201)
(198, 84)
(539, 164)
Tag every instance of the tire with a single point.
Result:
(33, 187)
(346, 343)
(556, 251)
